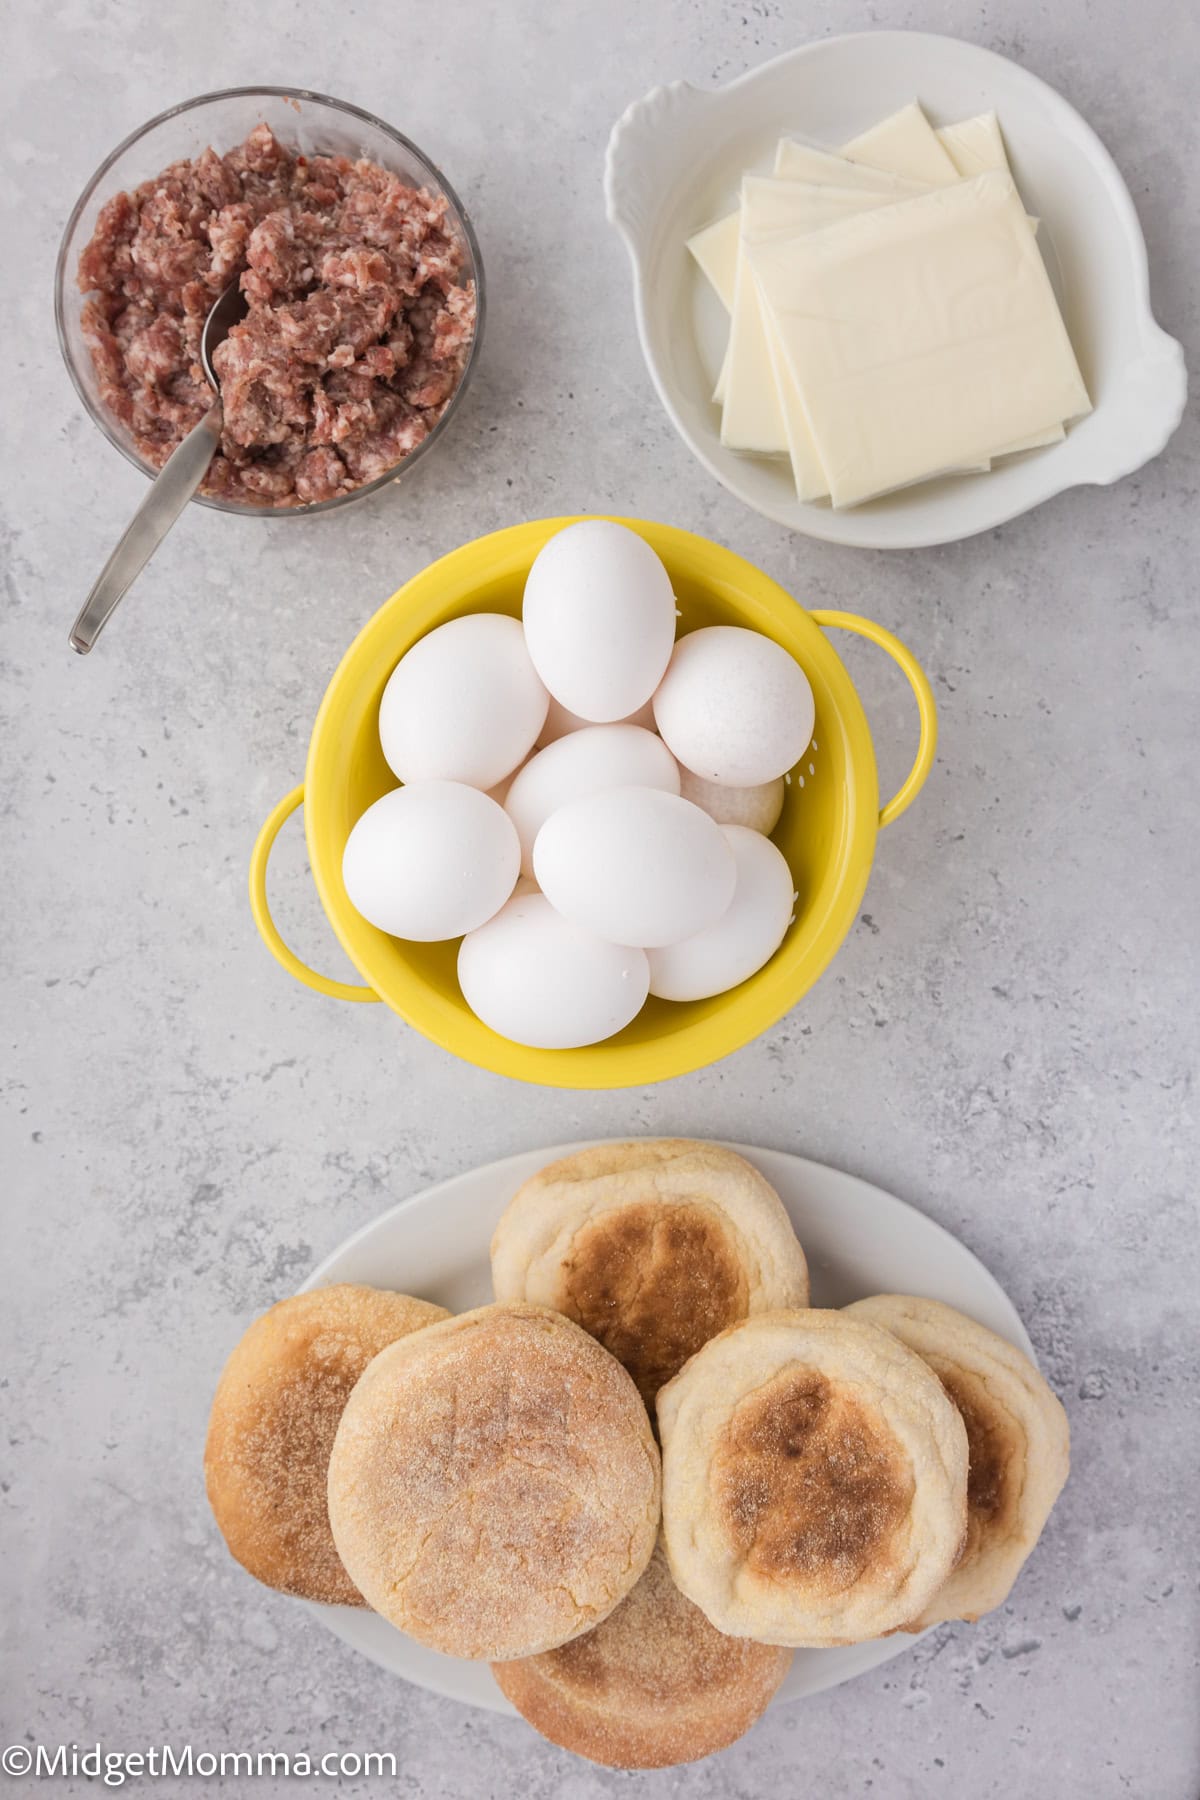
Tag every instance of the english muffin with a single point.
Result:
(272, 1426)
(653, 1247)
(1018, 1443)
(494, 1485)
(652, 1686)
(814, 1480)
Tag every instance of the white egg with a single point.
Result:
(635, 865)
(464, 704)
(560, 720)
(431, 860)
(734, 707)
(745, 937)
(599, 756)
(599, 619)
(539, 980)
(756, 807)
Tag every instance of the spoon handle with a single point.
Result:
(173, 487)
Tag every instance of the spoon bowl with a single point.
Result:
(227, 310)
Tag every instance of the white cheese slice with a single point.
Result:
(715, 249)
(754, 413)
(770, 208)
(795, 161)
(808, 471)
(923, 336)
(974, 146)
(902, 144)
(751, 414)
(1053, 434)
(905, 144)
(760, 395)
(770, 205)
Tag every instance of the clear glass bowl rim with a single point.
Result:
(63, 276)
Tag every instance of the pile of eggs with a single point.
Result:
(586, 802)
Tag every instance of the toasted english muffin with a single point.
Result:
(653, 1247)
(1018, 1443)
(814, 1480)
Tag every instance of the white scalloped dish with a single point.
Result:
(674, 164)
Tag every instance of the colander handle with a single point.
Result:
(267, 928)
(926, 707)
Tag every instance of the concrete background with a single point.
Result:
(1008, 1038)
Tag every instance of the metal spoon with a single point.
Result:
(173, 486)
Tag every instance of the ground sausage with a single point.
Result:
(357, 331)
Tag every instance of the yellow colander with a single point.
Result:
(830, 819)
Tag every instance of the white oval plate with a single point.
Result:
(858, 1241)
(675, 161)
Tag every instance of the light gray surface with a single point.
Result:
(1008, 1038)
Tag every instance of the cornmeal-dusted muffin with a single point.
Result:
(494, 1486)
(652, 1686)
(272, 1425)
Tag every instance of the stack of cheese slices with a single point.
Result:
(890, 314)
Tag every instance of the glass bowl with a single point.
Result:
(311, 123)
